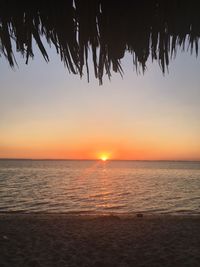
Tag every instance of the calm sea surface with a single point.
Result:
(95, 186)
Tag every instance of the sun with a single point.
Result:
(104, 156)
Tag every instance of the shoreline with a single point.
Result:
(99, 214)
(93, 240)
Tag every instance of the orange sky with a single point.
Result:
(46, 113)
(96, 150)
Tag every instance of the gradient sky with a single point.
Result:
(47, 113)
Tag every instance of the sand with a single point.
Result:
(63, 240)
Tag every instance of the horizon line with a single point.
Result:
(68, 159)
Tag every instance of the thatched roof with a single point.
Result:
(108, 28)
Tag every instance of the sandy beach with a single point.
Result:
(63, 240)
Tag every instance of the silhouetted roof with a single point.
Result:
(108, 28)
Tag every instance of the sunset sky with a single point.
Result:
(47, 113)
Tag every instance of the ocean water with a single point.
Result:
(99, 187)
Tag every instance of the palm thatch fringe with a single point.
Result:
(155, 28)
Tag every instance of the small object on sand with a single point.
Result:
(139, 215)
(5, 237)
(113, 216)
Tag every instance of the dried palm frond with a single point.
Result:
(155, 28)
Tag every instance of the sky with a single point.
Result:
(45, 112)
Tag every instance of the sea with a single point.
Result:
(93, 187)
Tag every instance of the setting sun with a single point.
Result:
(104, 156)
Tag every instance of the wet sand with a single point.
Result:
(63, 240)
